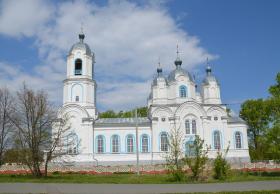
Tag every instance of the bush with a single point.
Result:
(221, 167)
(56, 173)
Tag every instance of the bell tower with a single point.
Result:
(79, 85)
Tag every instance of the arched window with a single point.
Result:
(193, 126)
(238, 144)
(72, 143)
(190, 151)
(78, 67)
(129, 144)
(115, 144)
(187, 127)
(183, 91)
(100, 144)
(217, 140)
(145, 143)
(163, 142)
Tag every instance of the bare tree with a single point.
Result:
(6, 107)
(59, 142)
(34, 119)
(175, 153)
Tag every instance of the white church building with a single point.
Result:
(174, 102)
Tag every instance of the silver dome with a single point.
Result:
(80, 46)
(208, 79)
(177, 72)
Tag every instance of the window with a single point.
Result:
(145, 143)
(215, 118)
(77, 98)
(217, 140)
(193, 126)
(100, 144)
(163, 142)
(187, 126)
(183, 91)
(189, 146)
(129, 144)
(72, 143)
(115, 144)
(238, 140)
(78, 67)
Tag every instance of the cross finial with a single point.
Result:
(159, 62)
(177, 51)
(82, 28)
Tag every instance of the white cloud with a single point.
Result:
(24, 18)
(125, 37)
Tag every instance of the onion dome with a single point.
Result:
(209, 76)
(159, 77)
(81, 45)
(179, 71)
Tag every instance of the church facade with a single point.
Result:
(174, 103)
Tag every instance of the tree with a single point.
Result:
(33, 118)
(6, 108)
(274, 90)
(221, 166)
(197, 157)
(256, 113)
(175, 154)
(142, 112)
(56, 144)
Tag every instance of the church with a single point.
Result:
(174, 103)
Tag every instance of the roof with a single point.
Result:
(179, 71)
(123, 122)
(157, 79)
(81, 46)
(208, 79)
(236, 120)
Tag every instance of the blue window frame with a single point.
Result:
(183, 91)
(189, 149)
(217, 140)
(72, 143)
(238, 140)
(129, 143)
(163, 142)
(115, 144)
(144, 143)
(193, 126)
(100, 141)
(187, 127)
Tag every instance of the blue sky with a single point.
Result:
(241, 38)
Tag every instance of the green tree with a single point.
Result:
(256, 114)
(221, 166)
(198, 157)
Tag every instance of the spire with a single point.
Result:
(159, 69)
(178, 61)
(82, 35)
(194, 79)
(208, 68)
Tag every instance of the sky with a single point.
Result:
(240, 39)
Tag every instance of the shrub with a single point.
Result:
(221, 166)
(197, 158)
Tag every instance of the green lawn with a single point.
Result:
(133, 178)
(242, 192)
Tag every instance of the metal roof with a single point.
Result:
(81, 46)
(179, 71)
(123, 122)
(236, 120)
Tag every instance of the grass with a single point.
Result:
(242, 192)
(133, 178)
